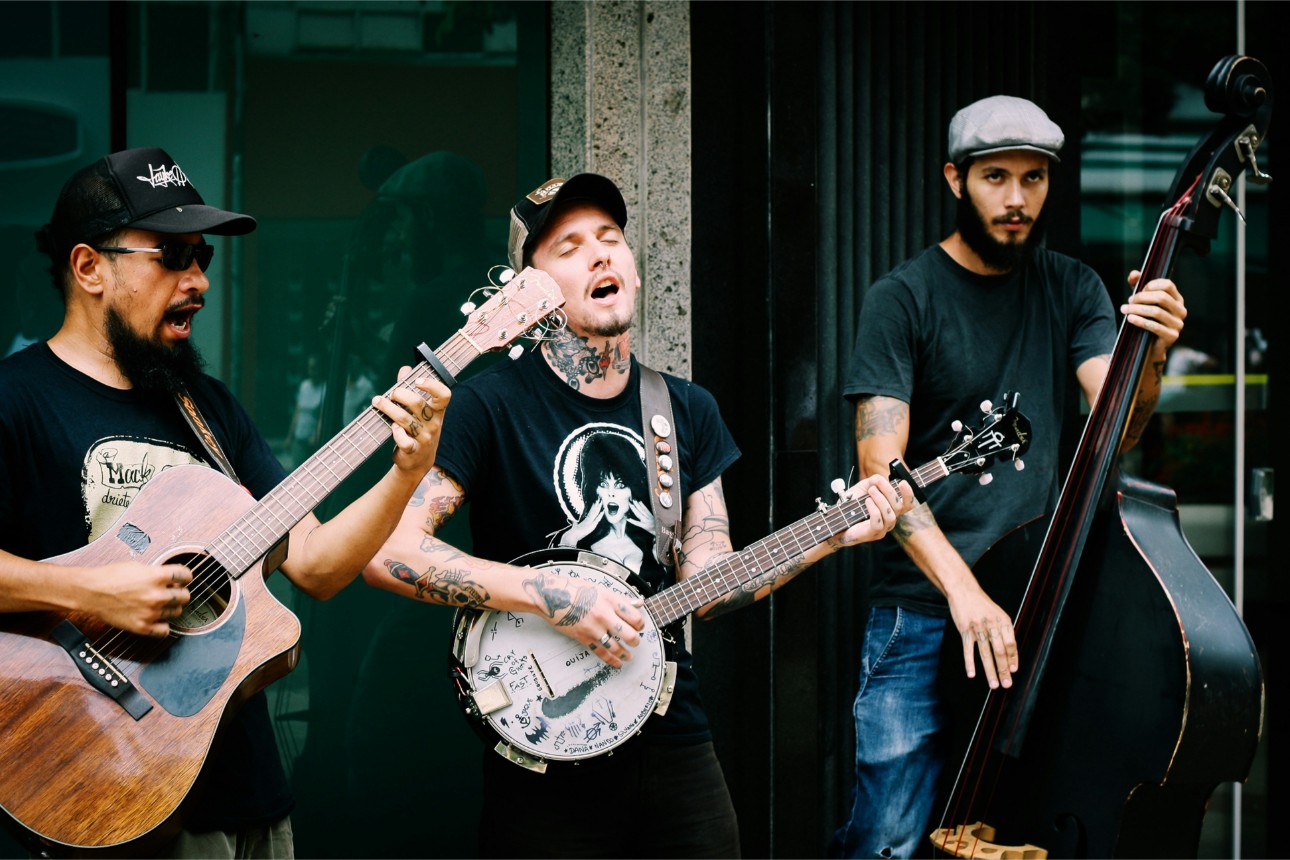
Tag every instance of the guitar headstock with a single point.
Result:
(511, 309)
(1004, 434)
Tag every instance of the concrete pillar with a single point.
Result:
(620, 106)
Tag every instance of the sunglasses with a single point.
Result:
(176, 256)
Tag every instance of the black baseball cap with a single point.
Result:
(529, 215)
(141, 188)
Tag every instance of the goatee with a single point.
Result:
(1000, 256)
(150, 365)
(610, 329)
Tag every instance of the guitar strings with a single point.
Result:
(210, 576)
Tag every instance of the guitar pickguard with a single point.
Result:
(190, 672)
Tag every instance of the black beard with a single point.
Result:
(150, 366)
(1000, 256)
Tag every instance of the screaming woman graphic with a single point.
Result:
(600, 478)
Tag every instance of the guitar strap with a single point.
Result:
(193, 415)
(664, 470)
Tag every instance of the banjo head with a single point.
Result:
(544, 693)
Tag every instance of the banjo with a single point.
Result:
(549, 698)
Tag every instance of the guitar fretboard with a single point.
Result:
(257, 531)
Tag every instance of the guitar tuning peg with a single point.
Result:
(1019, 464)
(820, 505)
(985, 479)
(838, 486)
(467, 309)
(986, 406)
(956, 425)
(505, 275)
(515, 352)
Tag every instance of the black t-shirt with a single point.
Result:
(944, 339)
(73, 454)
(523, 444)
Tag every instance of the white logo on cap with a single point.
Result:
(541, 195)
(163, 177)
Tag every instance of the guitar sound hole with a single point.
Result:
(211, 590)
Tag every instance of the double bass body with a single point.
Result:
(1152, 696)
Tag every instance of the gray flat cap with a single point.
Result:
(1001, 123)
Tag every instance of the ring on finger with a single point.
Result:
(606, 639)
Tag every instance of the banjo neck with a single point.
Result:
(1004, 433)
(731, 572)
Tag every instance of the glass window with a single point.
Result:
(379, 145)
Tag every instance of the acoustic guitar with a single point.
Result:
(103, 733)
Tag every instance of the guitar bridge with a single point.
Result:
(99, 671)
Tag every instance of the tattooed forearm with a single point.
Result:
(747, 593)
(913, 521)
(1145, 404)
(448, 587)
(445, 553)
(554, 598)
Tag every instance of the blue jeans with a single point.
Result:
(900, 722)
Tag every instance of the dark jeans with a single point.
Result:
(900, 724)
(645, 800)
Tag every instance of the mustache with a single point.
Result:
(1013, 218)
(193, 304)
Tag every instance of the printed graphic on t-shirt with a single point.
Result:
(116, 468)
(601, 481)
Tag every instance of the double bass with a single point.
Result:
(1140, 688)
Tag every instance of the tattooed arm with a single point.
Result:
(1159, 310)
(416, 564)
(882, 432)
(705, 540)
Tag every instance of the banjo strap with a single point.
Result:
(661, 463)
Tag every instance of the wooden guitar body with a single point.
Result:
(61, 733)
